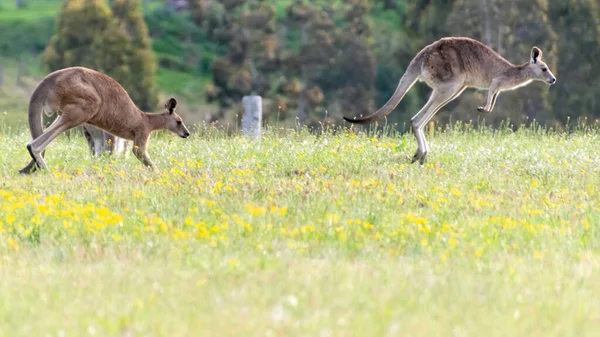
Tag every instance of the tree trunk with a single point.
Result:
(487, 30)
(302, 103)
(20, 72)
(498, 10)
(499, 43)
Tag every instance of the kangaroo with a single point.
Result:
(100, 141)
(81, 95)
(449, 66)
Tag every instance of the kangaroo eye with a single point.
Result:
(544, 69)
(179, 123)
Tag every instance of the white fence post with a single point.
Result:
(252, 118)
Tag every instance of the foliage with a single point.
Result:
(113, 43)
(578, 34)
(319, 53)
(24, 37)
(248, 67)
(140, 79)
(216, 39)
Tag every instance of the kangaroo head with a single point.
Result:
(174, 121)
(538, 69)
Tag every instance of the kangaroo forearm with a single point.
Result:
(146, 160)
(491, 101)
(491, 97)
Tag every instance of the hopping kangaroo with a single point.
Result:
(80, 95)
(449, 66)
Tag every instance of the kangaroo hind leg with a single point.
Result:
(37, 146)
(62, 123)
(440, 96)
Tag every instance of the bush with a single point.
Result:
(20, 37)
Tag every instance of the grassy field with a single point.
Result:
(299, 235)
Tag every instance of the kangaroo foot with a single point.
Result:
(40, 163)
(419, 156)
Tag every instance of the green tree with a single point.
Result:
(576, 60)
(89, 35)
(72, 44)
(199, 10)
(305, 67)
(356, 62)
(248, 67)
(141, 63)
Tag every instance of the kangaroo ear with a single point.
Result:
(170, 105)
(536, 54)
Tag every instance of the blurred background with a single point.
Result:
(312, 61)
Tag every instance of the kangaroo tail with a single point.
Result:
(406, 82)
(36, 106)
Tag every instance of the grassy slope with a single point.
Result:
(298, 235)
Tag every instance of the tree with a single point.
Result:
(248, 28)
(140, 81)
(89, 35)
(356, 62)
(305, 68)
(321, 50)
(75, 45)
(199, 10)
(577, 90)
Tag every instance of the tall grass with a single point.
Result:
(328, 234)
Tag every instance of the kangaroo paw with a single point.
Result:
(40, 163)
(419, 156)
(29, 169)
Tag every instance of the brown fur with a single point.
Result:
(449, 66)
(80, 95)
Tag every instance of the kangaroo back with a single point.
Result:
(406, 82)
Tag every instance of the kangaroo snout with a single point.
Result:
(552, 80)
(183, 132)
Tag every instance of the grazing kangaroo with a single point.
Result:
(100, 141)
(80, 95)
(449, 66)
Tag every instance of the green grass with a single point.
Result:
(14, 98)
(36, 9)
(189, 85)
(336, 235)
